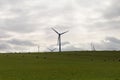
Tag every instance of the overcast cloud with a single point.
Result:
(27, 23)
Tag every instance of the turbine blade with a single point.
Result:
(49, 49)
(54, 49)
(64, 32)
(55, 30)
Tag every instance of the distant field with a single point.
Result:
(61, 66)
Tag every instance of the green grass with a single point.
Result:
(86, 65)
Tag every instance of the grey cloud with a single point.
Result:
(110, 43)
(4, 35)
(67, 46)
(113, 40)
(8, 1)
(108, 25)
(4, 47)
(109, 19)
(87, 3)
(20, 42)
(71, 48)
(65, 43)
(27, 16)
(18, 25)
(113, 43)
(113, 11)
(111, 46)
(20, 21)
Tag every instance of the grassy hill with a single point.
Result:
(84, 65)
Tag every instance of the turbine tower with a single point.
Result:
(93, 47)
(38, 48)
(59, 38)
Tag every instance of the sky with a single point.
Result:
(25, 24)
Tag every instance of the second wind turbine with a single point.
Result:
(59, 38)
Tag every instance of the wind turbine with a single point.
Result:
(38, 48)
(59, 38)
(93, 47)
(52, 50)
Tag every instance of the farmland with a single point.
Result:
(83, 65)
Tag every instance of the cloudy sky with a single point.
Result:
(25, 24)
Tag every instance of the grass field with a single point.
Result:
(104, 65)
